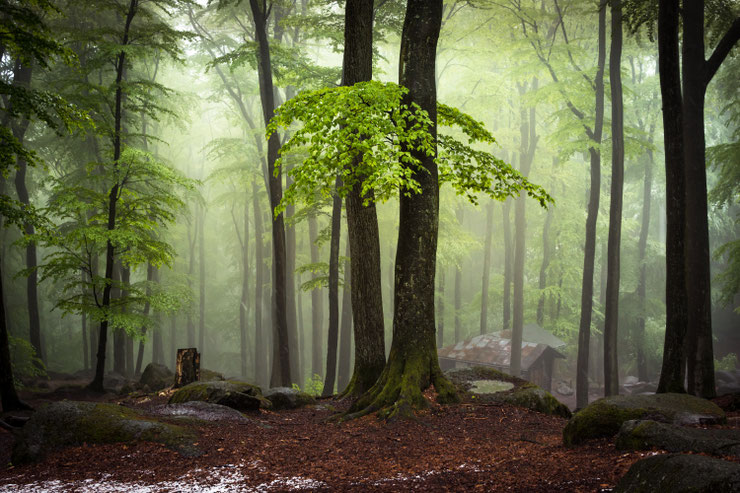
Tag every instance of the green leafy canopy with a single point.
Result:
(364, 133)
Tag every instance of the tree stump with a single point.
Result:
(187, 368)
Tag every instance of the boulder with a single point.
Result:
(647, 434)
(201, 410)
(604, 417)
(238, 395)
(71, 423)
(287, 398)
(115, 382)
(517, 392)
(156, 377)
(680, 473)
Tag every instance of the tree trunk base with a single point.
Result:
(187, 367)
(399, 390)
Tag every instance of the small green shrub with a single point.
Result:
(728, 363)
(24, 361)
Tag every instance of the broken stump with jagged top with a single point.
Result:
(187, 367)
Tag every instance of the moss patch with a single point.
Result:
(70, 423)
(604, 417)
(232, 393)
(515, 391)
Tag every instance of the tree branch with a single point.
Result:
(722, 50)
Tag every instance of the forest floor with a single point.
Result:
(463, 447)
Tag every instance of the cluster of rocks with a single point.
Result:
(659, 421)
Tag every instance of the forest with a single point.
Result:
(370, 245)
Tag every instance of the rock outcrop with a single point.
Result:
(678, 473)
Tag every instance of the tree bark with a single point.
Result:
(458, 284)
(8, 395)
(119, 335)
(611, 312)
(150, 277)
(546, 254)
(282, 376)
(201, 281)
(589, 253)
(412, 363)
(486, 269)
(333, 332)
(187, 367)
(362, 221)
(672, 373)
(642, 370)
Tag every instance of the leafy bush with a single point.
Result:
(24, 360)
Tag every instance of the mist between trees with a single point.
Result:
(182, 174)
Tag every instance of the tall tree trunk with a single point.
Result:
(362, 221)
(119, 334)
(458, 285)
(611, 312)
(22, 77)
(642, 370)
(192, 238)
(8, 395)
(673, 370)
(85, 340)
(333, 333)
(546, 254)
(260, 343)
(292, 315)
(486, 269)
(412, 363)
(527, 146)
(317, 306)
(506, 311)
(202, 285)
(345, 336)
(173, 340)
(281, 371)
(589, 250)
(157, 342)
(243, 311)
(113, 196)
(127, 338)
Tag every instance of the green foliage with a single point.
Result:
(24, 360)
(364, 132)
(151, 194)
(728, 363)
(314, 385)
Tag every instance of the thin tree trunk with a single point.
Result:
(345, 338)
(281, 371)
(611, 313)
(362, 221)
(85, 341)
(8, 395)
(506, 312)
(333, 333)
(317, 306)
(119, 335)
(192, 237)
(486, 269)
(672, 373)
(587, 290)
(202, 285)
(260, 344)
(173, 341)
(157, 342)
(127, 338)
(527, 147)
(546, 255)
(642, 370)
(458, 285)
(243, 311)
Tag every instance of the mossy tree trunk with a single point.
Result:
(412, 364)
(486, 270)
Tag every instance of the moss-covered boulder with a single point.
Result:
(678, 473)
(71, 423)
(156, 377)
(287, 398)
(201, 410)
(648, 434)
(484, 384)
(237, 395)
(604, 417)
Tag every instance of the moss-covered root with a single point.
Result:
(399, 390)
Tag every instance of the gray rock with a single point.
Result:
(604, 417)
(647, 434)
(210, 375)
(202, 410)
(287, 398)
(678, 473)
(241, 396)
(70, 423)
(564, 389)
(156, 377)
